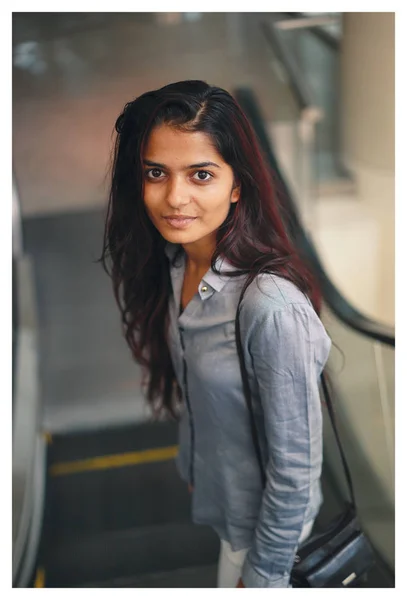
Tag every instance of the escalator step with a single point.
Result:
(191, 577)
(131, 553)
(113, 499)
(110, 499)
(135, 437)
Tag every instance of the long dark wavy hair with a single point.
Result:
(252, 237)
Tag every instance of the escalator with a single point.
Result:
(116, 513)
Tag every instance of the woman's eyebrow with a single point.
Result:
(151, 163)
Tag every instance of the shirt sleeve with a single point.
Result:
(289, 348)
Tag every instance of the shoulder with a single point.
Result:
(275, 308)
(269, 293)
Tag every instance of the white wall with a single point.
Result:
(367, 81)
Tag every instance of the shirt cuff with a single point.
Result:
(252, 578)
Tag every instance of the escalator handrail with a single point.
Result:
(333, 298)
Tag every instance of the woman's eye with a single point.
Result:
(203, 175)
(154, 173)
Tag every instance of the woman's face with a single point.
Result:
(185, 175)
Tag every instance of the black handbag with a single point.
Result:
(341, 555)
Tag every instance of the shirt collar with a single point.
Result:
(213, 279)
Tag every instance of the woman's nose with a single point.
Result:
(177, 193)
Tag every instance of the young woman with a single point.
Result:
(193, 217)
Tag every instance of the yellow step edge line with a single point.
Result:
(113, 461)
(40, 578)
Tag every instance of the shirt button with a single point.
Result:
(204, 288)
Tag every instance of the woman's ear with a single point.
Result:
(235, 196)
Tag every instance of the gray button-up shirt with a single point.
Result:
(285, 348)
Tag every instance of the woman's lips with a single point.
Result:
(180, 223)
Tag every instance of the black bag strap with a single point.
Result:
(246, 389)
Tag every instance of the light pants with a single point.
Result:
(230, 562)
